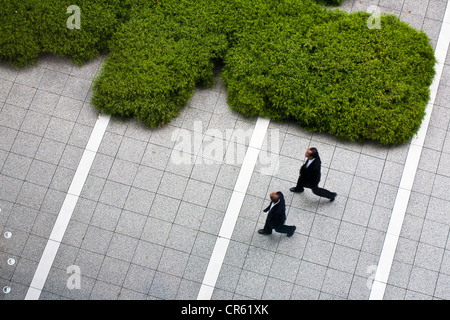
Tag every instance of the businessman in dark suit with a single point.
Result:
(276, 216)
(310, 176)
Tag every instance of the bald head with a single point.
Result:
(274, 197)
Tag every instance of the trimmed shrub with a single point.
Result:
(98, 22)
(331, 2)
(372, 84)
(334, 75)
(151, 72)
(19, 45)
(31, 27)
(270, 59)
(284, 59)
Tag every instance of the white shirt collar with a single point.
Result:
(274, 204)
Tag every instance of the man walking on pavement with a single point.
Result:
(276, 216)
(310, 176)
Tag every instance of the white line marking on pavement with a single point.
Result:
(409, 171)
(234, 207)
(46, 261)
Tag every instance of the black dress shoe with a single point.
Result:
(261, 231)
(334, 196)
(295, 189)
(291, 233)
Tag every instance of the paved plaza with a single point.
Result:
(153, 205)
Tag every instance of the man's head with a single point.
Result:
(274, 197)
(311, 153)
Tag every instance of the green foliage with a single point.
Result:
(331, 2)
(371, 83)
(334, 74)
(31, 27)
(18, 36)
(98, 22)
(152, 72)
(284, 59)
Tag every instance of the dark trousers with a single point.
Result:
(321, 192)
(281, 229)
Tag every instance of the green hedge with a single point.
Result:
(19, 43)
(98, 22)
(283, 59)
(336, 76)
(331, 2)
(31, 27)
(152, 72)
(371, 84)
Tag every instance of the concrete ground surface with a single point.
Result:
(146, 218)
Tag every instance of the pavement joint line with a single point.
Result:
(233, 209)
(65, 213)
(409, 172)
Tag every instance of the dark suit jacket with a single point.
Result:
(311, 176)
(277, 215)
